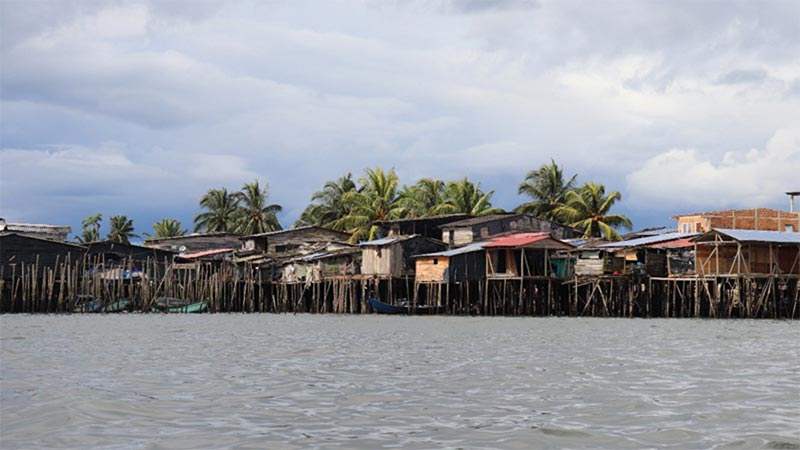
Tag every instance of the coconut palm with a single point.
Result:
(255, 216)
(220, 215)
(375, 200)
(166, 228)
(327, 206)
(547, 188)
(121, 229)
(465, 197)
(91, 229)
(587, 208)
(424, 198)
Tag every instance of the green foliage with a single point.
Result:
(587, 208)
(465, 197)
(91, 229)
(220, 215)
(547, 188)
(375, 200)
(326, 206)
(254, 215)
(423, 199)
(166, 228)
(121, 229)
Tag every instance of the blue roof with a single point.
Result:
(474, 247)
(780, 237)
(647, 240)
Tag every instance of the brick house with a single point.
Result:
(764, 219)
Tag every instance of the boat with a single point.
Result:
(87, 304)
(176, 305)
(117, 306)
(403, 307)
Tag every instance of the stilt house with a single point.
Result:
(522, 255)
(393, 257)
(460, 264)
(747, 252)
(466, 231)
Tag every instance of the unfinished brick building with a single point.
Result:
(764, 219)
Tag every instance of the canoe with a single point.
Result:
(175, 305)
(385, 308)
(117, 306)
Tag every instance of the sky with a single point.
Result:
(140, 107)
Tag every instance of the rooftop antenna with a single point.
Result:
(791, 199)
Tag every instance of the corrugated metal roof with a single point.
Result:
(643, 241)
(678, 243)
(478, 220)
(388, 240)
(474, 247)
(778, 237)
(206, 253)
(519, 240)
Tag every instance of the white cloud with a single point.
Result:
(688, 179)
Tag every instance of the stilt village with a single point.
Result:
(719, 264)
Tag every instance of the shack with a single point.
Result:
(466, 231)
(291, 240)
(461, 264)
(18, 251)
(522, 255)
(424, 226)
(110, 252)
(198, 242)
(394, 256)
(643, 255)
(747, 252)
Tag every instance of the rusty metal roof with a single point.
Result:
(522, 240)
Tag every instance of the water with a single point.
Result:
(283, 382)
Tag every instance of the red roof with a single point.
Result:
(521, 240)
(677, 243)
(206, 253)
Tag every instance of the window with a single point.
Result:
(790, 228)
(686, 228)
(435, 261)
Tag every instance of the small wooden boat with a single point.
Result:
(87, 304)
(403, 308)
(176, 305)
(117, 306)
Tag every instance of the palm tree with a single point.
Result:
(91, 229)
(255, 216)
(464, 197)
(121, 229)
(166, 228)
(587, 208)
(327, 206)
(221, 212)
(375, 200)
(547, 188)
(424, 198)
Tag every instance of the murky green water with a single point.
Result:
(282, 381)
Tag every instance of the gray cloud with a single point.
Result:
(195, 95)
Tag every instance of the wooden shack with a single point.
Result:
(747, 252)
(111, 252)
(642, 255)
(284, 241)
(394, 256)
(522, 255)
(423, 226)
(461, 264)
(194, 243)
(466, 231)
(17, 251)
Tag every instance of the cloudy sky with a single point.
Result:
(137, 108)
